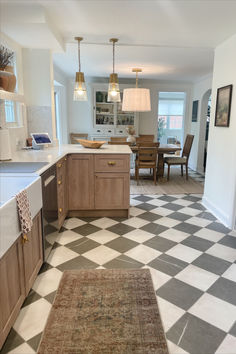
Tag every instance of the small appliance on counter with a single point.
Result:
(40, 140)
(5, 146)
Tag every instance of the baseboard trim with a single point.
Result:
(218, 213)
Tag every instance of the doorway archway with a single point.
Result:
(203, 131)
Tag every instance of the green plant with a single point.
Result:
(6, 57)
(161, 127)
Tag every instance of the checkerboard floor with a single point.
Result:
(191, 256)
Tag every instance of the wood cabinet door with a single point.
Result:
(33, 253)
(12, 291)
(80, 182)
(111, 190)
(62, 191)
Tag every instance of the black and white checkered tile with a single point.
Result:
(191, 256)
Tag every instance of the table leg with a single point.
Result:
(160, 165)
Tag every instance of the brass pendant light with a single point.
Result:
(80, 92)
(136, 99)
(113, 88)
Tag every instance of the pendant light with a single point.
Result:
(80, 93)
(136, 99)
(113, 88)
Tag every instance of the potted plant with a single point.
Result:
(7, 77)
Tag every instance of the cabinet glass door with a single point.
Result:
(105, 112)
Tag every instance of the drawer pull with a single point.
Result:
(59, 165)
(111, 163)
(65, 158)
(60, 210)
(59, 182)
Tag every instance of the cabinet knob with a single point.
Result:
(25, 239)
(59, 182)
(60, 210)
(111, 163)
(59, 165)
(65, 158)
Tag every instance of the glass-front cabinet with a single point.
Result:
(109, 119)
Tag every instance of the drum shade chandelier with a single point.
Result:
(136, 99)
(113, 88)
(80, 92)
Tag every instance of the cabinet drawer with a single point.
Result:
(112, 163)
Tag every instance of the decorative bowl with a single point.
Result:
(90, 143)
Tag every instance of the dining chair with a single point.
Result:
(183, 160)
(118, 139)
(146, 158)
(146, 137)
(75, 136)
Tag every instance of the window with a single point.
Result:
(13, 112)
(171, 107)
(10, 113)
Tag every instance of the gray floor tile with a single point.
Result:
(88, 219)
(197, 243)
(120, 229)
(167, 198)
(179, 293)
(13, 340)
(197, 206)
(149, 216)
(216, 226)
(50, 297)
(172, 206)
(211, 264)
(160, 243)
(206, 215)
(224, 289)
(77, 263)
(229, 241)
(143, 198)
(146, 206)
(82, 245)
(45, 266)
(32, 297)
(122, 244)
(49, 229)
(233, 330)
(195, 335)
(179, 216)
(192, 198)
(154, 228)
(123, 262)
(188, 228)
(34, 342)
(168, 264)
(86, 229)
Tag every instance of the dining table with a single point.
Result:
(161, 150)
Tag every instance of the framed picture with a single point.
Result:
(194, 111)
(223, 105)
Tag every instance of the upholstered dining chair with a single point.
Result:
(146, 158)
(183, 160)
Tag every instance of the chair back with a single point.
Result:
(74, 136)
(118, 139)
(187, 145)
(147, 156)
(119, 143)
(146, 137)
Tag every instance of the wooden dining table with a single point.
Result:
(161, 150)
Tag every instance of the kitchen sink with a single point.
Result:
(21, 167)
(9, 222)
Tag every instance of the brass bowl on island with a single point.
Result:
(91, 144)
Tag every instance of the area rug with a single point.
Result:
(104, 311)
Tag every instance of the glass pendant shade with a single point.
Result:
(113, 89)
(136, 100)
(80, 92)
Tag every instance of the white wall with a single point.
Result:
(220, 185)
(81, 113)
(198, 128)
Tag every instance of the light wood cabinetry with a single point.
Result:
(18, 269)
(33, 253)
(62, 190)
(98, 184)
(80, 182)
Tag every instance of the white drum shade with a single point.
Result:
(136, 100)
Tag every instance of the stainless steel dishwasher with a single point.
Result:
(50, 209)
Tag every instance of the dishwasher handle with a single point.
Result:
(49, 180)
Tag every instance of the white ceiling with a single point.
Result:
(169, 39)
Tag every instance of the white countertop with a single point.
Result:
(53, 154)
